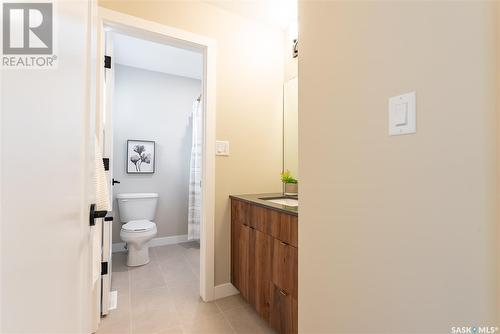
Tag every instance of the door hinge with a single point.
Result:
(107, 61)
(104, 268)
(105, 161)
(295, 52)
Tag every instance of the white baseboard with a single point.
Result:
(225, 290)
(174, 239)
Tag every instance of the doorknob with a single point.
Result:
(94, 214)
(113, 182)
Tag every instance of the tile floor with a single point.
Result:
(163, 297)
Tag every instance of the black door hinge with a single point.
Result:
(104, 268)
(105, 161)
(107, 61)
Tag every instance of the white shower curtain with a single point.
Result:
(194, 215)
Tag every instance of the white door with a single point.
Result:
(107, 149)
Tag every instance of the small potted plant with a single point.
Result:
(290, 184)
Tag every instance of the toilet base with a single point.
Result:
(138, 246)
(137, 257)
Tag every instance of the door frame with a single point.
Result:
(138, 27)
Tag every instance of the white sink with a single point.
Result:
(285, 201)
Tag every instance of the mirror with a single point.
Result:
(291, 127)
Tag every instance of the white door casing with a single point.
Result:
(140, 28)
(107, 149)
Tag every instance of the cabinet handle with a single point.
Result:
(283, 292)
(284, 243)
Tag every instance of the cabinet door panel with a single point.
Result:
(239, 244)
(244, 261)
(261, 272)
(285, 267)
(284, 310)
(235, 250)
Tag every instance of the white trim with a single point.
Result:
(171, 240)
(225, 290)
(151, 30)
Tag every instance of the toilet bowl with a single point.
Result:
(137, 211)
(137, 234)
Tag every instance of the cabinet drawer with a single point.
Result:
(285, 265)
(240, 212)
(260, 219)
(283, 227)
(280, 225)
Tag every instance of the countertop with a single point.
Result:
(256, 199)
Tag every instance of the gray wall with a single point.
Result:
(155, 106)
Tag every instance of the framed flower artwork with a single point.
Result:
(140, 156)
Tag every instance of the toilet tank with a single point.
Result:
(136, 206)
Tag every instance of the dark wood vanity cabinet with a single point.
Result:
(264, 262)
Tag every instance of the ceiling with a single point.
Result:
(278, 13)
(135, 52)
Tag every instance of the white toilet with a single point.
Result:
(137, 211)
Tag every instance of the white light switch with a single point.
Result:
(402, 114)
(221, 147)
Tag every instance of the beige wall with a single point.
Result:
(249, 100)
(397, 234)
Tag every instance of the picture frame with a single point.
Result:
(141, 156)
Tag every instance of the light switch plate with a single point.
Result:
(222, 147)
(402, 114)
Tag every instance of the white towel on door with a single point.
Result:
(101, 182)
(102, 203)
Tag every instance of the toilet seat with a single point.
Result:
(138, 226)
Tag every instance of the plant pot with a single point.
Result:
(291, 189)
